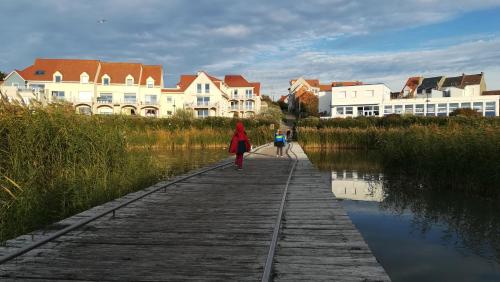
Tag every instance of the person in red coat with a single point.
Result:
(239, 144)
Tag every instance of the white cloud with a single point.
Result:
(236, 31)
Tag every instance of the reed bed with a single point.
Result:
(470, 154)
(55, 163)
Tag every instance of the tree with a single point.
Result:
(308, 104)
(465, 112)
(2, 76)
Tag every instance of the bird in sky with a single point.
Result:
(102, 21)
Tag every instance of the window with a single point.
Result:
(57, 78)
(490, 109)
(207, 88)
(340, 110)
(150, 99)
(58, 95)
(105, 81)
(198, 88)
(39, 72)
(447, 93)
(130, 80)
(249, 94)
(431, 110)
(408, 109)
(452, 107)
(235, 93)
(202, 101)
(169, 113)
(169, 100)
(84, 78)
(234, 105)
(387, 110)
(105, 98)
(150, 83)
(428, 90)
(442, 110)
(130, 98)
(150, 113)
(478, 107)
(202, 113)
(248, 105)
(348, 111)
(398, 109)
(419, 109)
(465, 105)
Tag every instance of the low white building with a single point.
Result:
(435, 96)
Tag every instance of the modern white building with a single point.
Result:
(435, 96)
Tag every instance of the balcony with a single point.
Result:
(236, 97)
(104, 100)
(201, 105)
(249, 96)
(150, 103)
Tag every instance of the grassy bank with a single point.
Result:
(54, 163)
(469, 153)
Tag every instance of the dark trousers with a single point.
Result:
(279, 150)
(239, 160)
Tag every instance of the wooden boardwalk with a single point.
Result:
(215, 226)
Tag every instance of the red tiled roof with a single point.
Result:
(153, 72)
(325, 87)
(118, 72)
(413, 82)
(283, 98)
(256, 88)
(236, 81)
(71, 69)
(313, 82)
(185, 81)
(491, 92)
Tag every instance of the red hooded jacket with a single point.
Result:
(239, 136)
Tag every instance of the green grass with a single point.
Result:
(54, 163)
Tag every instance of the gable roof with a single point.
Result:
(256, 88)
(455, 81)
(473, 79)
(118, 72)
(71, 69)
(236, 81)
(185, 81)
(153, 71)
(413, 82)
(311, 82)
(430, 83)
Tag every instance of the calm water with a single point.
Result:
(417, 232)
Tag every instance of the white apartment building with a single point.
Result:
(96, 87)
(209, 96)
(435, 96)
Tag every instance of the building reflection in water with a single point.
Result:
(358, 186)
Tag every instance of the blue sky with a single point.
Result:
(267, 41)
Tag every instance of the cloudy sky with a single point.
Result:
(267, 41)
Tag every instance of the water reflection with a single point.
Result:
(358, 186)
(418, 230)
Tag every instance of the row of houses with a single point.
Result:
(421, 96)
(97, 87)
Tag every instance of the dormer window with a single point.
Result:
(106, 80)
(130, 80)
(84, 78)
(150, 82)
(57, 77)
